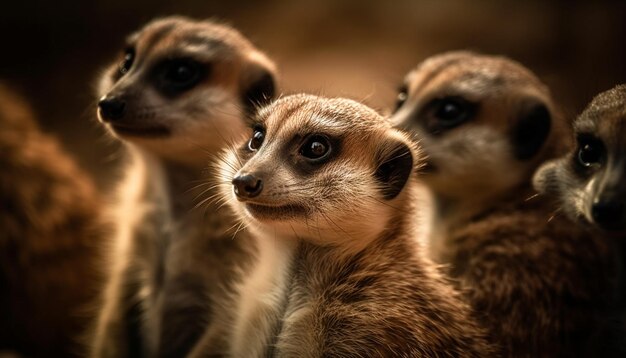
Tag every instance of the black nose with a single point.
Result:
(247, 186)
(609, 214)
(111, 108)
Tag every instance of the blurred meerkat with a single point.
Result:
(323, 185)
(485, 124)
(50, 229)
(181, 91)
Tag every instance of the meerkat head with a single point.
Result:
(181, 86)
(331, 171)
(590, 181)
(481, 121)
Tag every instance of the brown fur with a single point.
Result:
(543, 287)
(345, 275)
(48, 241)
(175, 260)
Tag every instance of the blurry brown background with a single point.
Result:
(52, 51)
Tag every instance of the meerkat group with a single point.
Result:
(253, 224)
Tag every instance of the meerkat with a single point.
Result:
(49, 229)
(323, 185)
(181, 90)
(587, 182)
(485, 124)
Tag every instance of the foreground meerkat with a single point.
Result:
(485, 123)
(323, 186)
(49, 230)
(181, 91)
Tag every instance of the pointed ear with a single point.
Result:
(258, 84)
(395, 164)
(531, 130)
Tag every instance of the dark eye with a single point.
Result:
(316, 147)
(182, 73)
(257, 140)
(590, 152)
(403, 94)
(452, 111)
(175, 76)
(127, 62)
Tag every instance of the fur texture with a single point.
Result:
(180, 94)
(51, 231)
(339, 272)
(486, 123)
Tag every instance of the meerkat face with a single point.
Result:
(326, 170)
(590, 182)
(181, 86)
(481, 122)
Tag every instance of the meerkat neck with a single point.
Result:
(450, 214)
(168, 179)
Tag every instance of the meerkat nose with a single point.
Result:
(111, 108)
(247, 186)
(609, 214)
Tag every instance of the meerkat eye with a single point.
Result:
(403, 95)
(590, 152)
(183, 73)
(317, 147)
(257, 140)
(127, 62)
(452, 111)
(175, 76)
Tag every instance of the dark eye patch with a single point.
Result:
(311, 151)
(177, 75)
(316, 148)
(444, 113)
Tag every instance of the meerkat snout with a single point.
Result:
(608, 213)
(247, 186)
(111, 108)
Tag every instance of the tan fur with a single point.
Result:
(50, 232)
(176, 254)
(339, 272)
(542, 287)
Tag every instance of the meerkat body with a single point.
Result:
(50, 230)
(181, 93)
(588, 182)
(485, 124)
(323, 185)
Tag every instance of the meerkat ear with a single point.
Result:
(531, 129)
(258, 85)
(395, 164)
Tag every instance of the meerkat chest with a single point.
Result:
(262, 298)
(182, 276)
